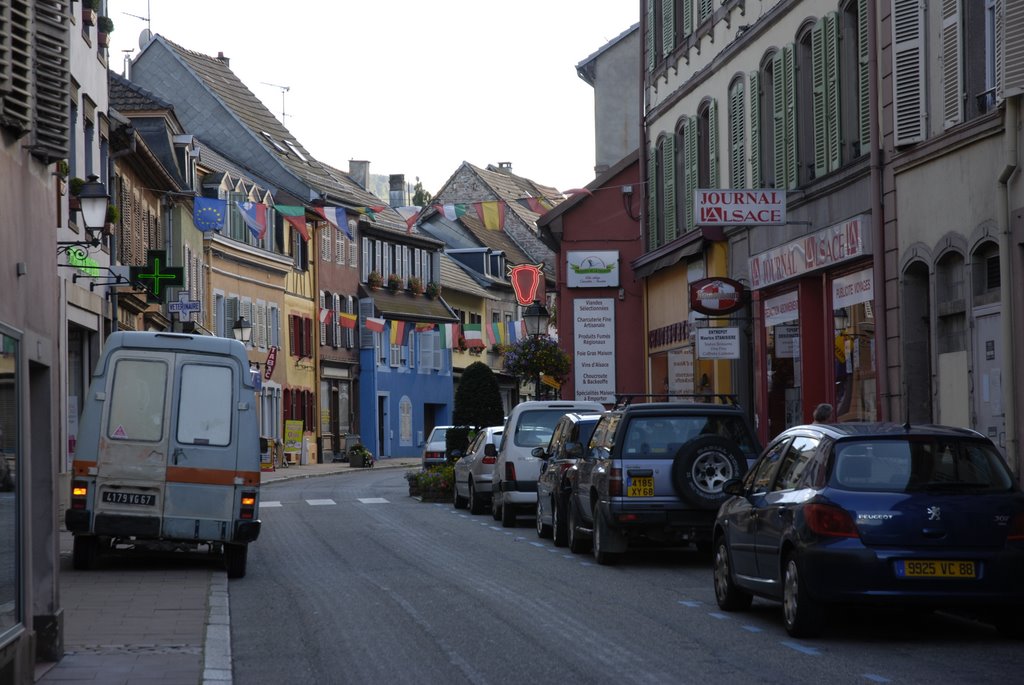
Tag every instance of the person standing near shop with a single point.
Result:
(823, 413)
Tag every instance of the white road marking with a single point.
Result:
(801, 648)
(876, 678)
(690, 603)
(719, 616)
(373, 500)
(270, 504)
(320, 502)
(537, 544)
(753, 629)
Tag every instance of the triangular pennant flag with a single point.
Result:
(492, 214)
(336, 217)
(296, 216)
(535, 206)
(254, 215)
(374, 324)
(208, 213)
(452, 211)
(347, 320)
(325, 315)
(397, 332)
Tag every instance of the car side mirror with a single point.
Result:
(733, 486)
(538, 452)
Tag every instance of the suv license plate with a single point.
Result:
(129, 498)
(935, 569)
(640, 487)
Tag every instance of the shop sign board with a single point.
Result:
(718, 343)
(680, 371)
(781, 309)
(714, 296)
(592, 269)
(828, 247)
(853, 289)
(733, 207)
(594, 347)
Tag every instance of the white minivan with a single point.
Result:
(168, 450)
(529, 425)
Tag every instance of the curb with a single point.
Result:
(297, 476)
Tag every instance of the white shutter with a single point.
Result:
(320, 318)
(261, 320)
(325, 243)
(908, 71)
(952, 64)
(438, 351)
(336, 321)
(365, 271)
(1013, 48)
(427, 343)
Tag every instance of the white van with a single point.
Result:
(529, 425)
(168, 450)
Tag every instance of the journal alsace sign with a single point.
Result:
(739, 207)
(829, 246)
(713, 296)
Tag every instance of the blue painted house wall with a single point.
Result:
(386, 392)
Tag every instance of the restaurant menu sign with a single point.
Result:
(594, 345)
(842, 242)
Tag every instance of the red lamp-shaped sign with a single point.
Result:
(526, 280)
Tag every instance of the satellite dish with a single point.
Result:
(145, 38)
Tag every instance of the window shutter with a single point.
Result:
(737, 156)
(320, 318)
(1011, 39)
(669, 180)
(863, 76)
(819, 107)
(652, 200)
(789, 88)
(714, 172)
(365, 312)
(650, 34)
(687, 17)
(833, 119)
(307, 337)
(706, 8)
(52, 81)
(365, 271)
(690, 173)
(336, 321)
(908, 71)
(755, 130)
(339, 246)
(325, 243)
(438, 351)
(16, 62)
(427, 351)
(779, 115)
(230, 315)
(668, 27)
(261, 316)
(294, 335)
(952, 70)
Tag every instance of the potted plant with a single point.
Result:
(75, 188)
(415, 285)
(394, 282)
(113, 215)
(359, 457)
(62, 168)
(374, 279)
(433, 289)
(104, 27)
(89, 8)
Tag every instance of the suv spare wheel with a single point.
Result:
(701, 467)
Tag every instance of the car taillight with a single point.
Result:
(489, 460)
(615, 483)
(829, 520)
(248, 508)
(1016, 531)
(79, 493)
(563, 467)
(510, 471)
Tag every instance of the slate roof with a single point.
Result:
(454, 277)
(405, 307)
(126, 96)
(217, 76)
(511, 188)
(496, 240)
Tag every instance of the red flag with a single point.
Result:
(347, 320)
(375, 325)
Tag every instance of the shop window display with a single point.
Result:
(10, 559)
(785, 400)
(854, 363)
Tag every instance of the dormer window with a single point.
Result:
(295, 149)
(273, 142)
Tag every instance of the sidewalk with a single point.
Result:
(155, 623)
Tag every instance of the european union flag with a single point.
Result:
(208, 213)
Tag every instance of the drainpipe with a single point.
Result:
(1011, 121)
(878, 220)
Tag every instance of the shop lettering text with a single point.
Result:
(824, 248)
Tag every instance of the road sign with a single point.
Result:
(185, 306)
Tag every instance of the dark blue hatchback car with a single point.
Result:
(862, 513)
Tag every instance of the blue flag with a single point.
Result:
(208, 213)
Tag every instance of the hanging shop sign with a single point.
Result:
(714, 296)
(853, 289)
(730, 207)
(828, 247)
(718, 343)
(526, 281)
(592, 269)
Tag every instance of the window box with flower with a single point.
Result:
(394, 282)
(415, 285)
(374, 279)
(433, 289)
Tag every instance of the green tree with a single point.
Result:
(420, 197)
(530, 357)
(477, 405)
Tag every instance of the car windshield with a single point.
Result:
(438, 434)
(919, 464)
(535, 427)
(648, 436)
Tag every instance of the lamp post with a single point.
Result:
(94, 199)
(242, 330)
(536, 317)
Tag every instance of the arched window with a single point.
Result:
(985, 274)
(686, 172)
(762, 124)
(804, 121)
(951, 326)
(737, 135)
(915, 309)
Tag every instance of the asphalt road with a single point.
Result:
(352, 581)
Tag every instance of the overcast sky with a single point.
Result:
(413, 86)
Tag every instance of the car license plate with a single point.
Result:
(926, 568)
(129, 498)
(640, 487)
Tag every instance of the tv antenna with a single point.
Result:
(284, 89)
(146, 18)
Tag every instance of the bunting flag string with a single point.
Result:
(335, 216)
(296, 216)
(254, 215)
(347, 320)
(374, 324)
(325, 315)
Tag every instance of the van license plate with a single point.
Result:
(640, 487)
(129, 498)
(935, 569)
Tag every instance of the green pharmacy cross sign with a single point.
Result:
(156, 276)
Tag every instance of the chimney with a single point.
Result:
(359, 170)
(396, 190)
(225, 60)
(505, 167)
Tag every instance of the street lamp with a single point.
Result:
(536, 317)
(242, 330)
(93, 198)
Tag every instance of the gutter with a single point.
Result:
(878, 220)
(1009, 171)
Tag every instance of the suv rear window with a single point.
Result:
(654, 437)
(535, 427)
(915, 465)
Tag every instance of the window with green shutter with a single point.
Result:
(908, 71)
(714, 174)
(669, 188)
(668, 27)
(784, 118)
(737, 149)
(952, 66)
(649, 38)
(686, 10)
(756, 156)
(689, 140)
(652, 200)
(825, 94)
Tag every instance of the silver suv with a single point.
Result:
(653, 473)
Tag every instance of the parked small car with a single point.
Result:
(874, 513)
(435, 448)
(571, 434)
(475, 469)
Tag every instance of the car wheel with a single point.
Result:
(559, 531)
(508, 516)
(577, 543)
(728, 596)
(702, 466)
(803, 616)
(235, 560)
(543, 529)
(601, 555)
(85, 552)
(495, 509)
(458, 501)
(476, 505)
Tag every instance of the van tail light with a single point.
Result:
(248, 508)
(830, 521)
(510, 471)
(615, 483)
(489, 460)
(1016, 531)
(79, 494)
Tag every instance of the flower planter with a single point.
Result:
(103, 40)
(88, 16)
